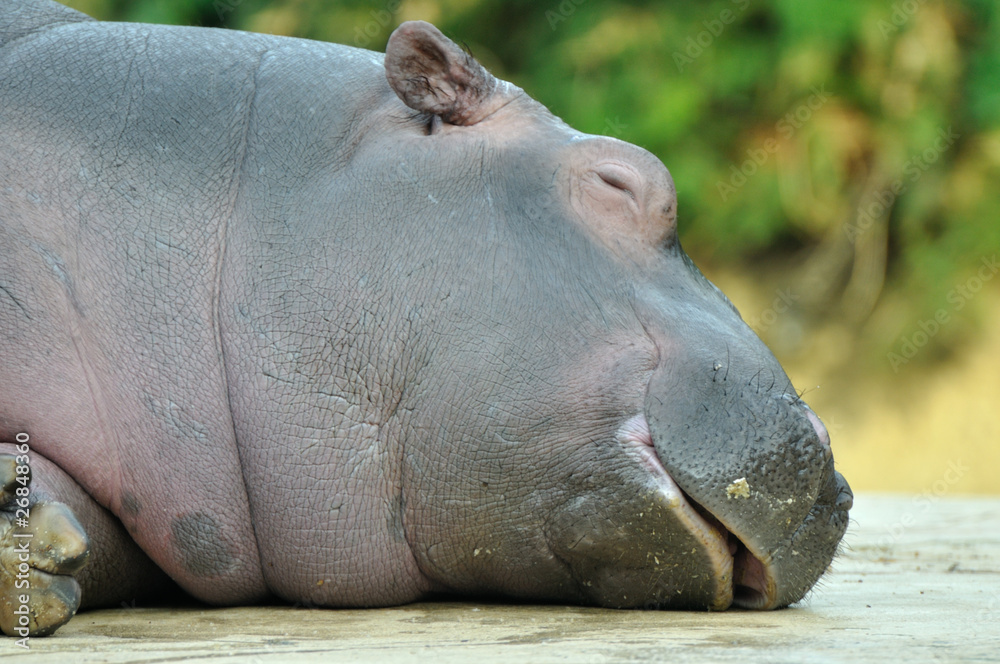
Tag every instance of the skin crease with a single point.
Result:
(297, 339)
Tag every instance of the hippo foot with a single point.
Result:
(41, 545)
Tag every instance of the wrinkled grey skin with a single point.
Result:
(283, 318)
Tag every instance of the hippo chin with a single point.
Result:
(288, 319)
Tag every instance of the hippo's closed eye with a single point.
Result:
(623, 196)
(619, 176)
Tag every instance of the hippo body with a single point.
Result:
(281, 318)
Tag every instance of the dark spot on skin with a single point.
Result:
(198, 539)
(395, 519)
(130, 505)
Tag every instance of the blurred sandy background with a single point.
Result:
(837, 166)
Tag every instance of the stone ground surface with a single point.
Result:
(919, 581)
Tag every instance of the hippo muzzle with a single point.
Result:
(735, 500)
(769, 511)
(751, 472)
(738, 503)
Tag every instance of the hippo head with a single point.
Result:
(611, 431)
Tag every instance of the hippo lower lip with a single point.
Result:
(744, 579)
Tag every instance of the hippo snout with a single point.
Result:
(758, 471)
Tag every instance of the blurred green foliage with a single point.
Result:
(851, 147)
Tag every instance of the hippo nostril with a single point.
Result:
(817, 424)
(845, 497)
(824, 435)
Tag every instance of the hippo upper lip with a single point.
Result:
(744, 579)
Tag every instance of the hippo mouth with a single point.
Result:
(753, 584)
(742, 576)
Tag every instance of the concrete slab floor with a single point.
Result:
(918, 581)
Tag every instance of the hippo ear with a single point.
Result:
(431, 74)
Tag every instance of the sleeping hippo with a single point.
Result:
(282, 319)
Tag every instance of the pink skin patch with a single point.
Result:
(824, 436)
(743, 578)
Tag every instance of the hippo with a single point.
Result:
(283, 320)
